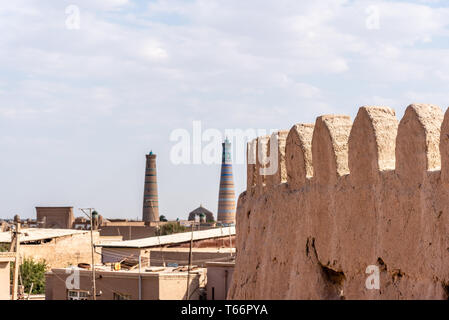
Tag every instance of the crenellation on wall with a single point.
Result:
(375, 142)
(251, 156)
(276, 143)
(298, 155)
(417, 143)
(372, 143)
(378, 196)
(330, 148)
(261, 161)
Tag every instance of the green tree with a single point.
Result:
(162, 218)
(4, 247)
(32, 272)
(171, 227)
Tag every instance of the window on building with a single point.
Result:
(121, 296)
(77, 295)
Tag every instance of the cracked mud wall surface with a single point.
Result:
(372, 192)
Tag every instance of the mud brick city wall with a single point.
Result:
(63, 251)
(348, 195)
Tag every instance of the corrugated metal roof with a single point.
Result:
(171, 239)
(36, 234)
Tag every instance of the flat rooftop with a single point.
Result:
(123, 223)
(147, 271)
(172, 238)
(36, 234)
(220, 264)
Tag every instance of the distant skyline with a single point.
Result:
(88, 87)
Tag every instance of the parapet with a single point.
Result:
(347, 198)
(334, 147)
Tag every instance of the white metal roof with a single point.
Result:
(35, 234)
(171, 239)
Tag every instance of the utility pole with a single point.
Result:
(15, 243)
(190, 264)
(230, 243)
(90, 215)
(140, 275)
(158, 232)
(31, 289)
(221, 232)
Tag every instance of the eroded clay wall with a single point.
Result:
(63, 251)
(371, 192)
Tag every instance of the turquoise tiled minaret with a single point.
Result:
(226, 195)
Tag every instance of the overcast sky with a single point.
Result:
(80, 107)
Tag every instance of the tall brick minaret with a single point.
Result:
(226, 195)
(150, 197)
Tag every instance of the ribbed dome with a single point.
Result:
(201, 211)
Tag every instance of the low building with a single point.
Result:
(58, 247)
(197, 225)
(5, 225)
(63, 218)
(219, 279)
(129, 230)
(148, 284)
(5, 287)
(180, 256)
(116, 251)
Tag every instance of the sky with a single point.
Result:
(88, 87)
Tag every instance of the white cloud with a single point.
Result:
(140, 70)
(152, 50)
